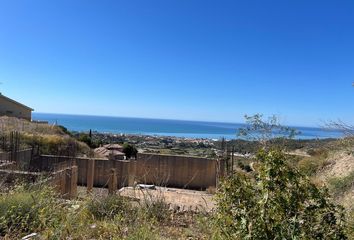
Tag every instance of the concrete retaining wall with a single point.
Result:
(176, 171)
(163, 170)
(102, 169)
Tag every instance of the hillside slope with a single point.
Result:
(338, 174)
(51, 139)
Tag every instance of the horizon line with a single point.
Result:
(167, 119)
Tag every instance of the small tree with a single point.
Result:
(129, 150)
(264, 130)
(83, 137)
(278, 203)
(346, 129)
(347, 141)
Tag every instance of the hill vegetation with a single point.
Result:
(50, 139)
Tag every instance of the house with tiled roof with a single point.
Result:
(110, 151)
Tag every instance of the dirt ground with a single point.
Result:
(178, 199)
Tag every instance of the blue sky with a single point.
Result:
(181, 59)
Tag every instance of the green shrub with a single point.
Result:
(279, 203)
(108, 207)
(29, 209)
(26, 211)
(157, 209)
(83, 137)
(143, 232)
(129, 150)
(64, 130)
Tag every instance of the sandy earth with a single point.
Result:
(179, 199)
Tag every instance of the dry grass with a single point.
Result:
(51, 139)
(8, 124)
(341, 165)
(336, 170)
(95, 217)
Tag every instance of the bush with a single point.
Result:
(27, 211)
(64, 130)
(279, 203)
(143, 232)
(156, 209)
(129, 150)
(55, 144)
(85, 138)
(108, 207)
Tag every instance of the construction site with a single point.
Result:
(181, 177)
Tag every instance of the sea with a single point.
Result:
(163, 127)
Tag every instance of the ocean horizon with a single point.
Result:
(164, 127)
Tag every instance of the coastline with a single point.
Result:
(163, 127)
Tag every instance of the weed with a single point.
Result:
(156, 209)
(342, 184)
(311, 165)
(28, 210)
(108, 207)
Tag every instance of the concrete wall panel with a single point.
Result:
(163, 170)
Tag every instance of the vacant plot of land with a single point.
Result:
(179, 199)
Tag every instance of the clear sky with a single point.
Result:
(181, 59)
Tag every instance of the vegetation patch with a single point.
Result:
(108, 207)
(278, 203)
(342, 184)
(311, 165)
(28, 210)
